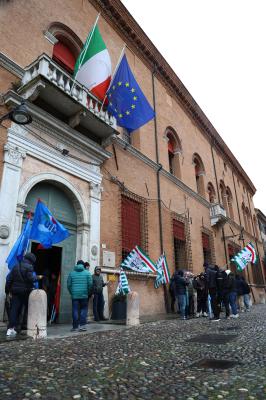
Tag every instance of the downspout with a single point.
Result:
(218, 192)
(253, 228)
(239, 216)
(158, 184)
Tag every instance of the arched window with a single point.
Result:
(199, 174)
(255, 223)
(248, 220)
(224, 196)
(244, 216)
(174, 152)
(67, 47)
(230, 202)
(211, 193)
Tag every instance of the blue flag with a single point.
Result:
(126, 102)
(17, 252)
(45, 228)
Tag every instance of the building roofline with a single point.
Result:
(123, 22)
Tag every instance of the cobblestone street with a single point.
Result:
(153, 361)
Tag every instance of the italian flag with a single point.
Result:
(93, 66)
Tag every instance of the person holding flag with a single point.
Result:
(20, 282)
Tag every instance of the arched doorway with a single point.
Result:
(62, 257)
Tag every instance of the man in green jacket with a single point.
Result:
(79, 284)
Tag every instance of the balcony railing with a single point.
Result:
(45, 67)
(217, 214)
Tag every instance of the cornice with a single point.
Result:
(123, 22)
(181, 185)
(11, 66)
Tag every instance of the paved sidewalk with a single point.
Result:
(173, 359)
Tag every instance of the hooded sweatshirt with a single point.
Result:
(79, 282)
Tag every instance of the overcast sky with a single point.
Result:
(217, 48)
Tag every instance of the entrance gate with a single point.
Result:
(61, 207)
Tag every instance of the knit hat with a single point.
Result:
(228, 271)
(80, 262)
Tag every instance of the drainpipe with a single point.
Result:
(158, 184)
(218, 192)
(253, 228)
(239, 216)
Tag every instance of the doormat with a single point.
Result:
(211, 363)
(213, 338)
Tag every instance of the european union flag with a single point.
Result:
(126, 102)
(45, 228)
(17, 252)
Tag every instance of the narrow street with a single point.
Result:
(157, 360)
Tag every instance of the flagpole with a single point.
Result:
(85, 50)
(116, 68)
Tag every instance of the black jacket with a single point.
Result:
(245, 287)
(20, 280)
(229, 283)
(180, 284)
(211, 275)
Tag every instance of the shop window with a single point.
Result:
(199, 174)
(174, 152)
(179, 244)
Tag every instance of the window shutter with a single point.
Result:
(131, 224)
(179, 230)
(205, 241)
(64, 57)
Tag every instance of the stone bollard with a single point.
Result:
(37, 314)
(133, 308)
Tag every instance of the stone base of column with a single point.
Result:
(133, 308)
(37, 314)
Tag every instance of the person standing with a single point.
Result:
(211, 280)
(19, 283)
(97, 291)
(199, 284)
(246, 293)
(181, 292)
(79, 284)
(230, 284)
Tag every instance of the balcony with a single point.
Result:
(217, 214)
(47, 85)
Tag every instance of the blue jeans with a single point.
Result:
(247, 301)
(232, 302)
(79, 312)
(182, 302)
(98, 305)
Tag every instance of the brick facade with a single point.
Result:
(134, 167)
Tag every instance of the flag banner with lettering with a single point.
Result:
(20, 247)
(137, 260)
(123, 286)
(245, 256)
(163, 275)
(45, 228)
(126, 101)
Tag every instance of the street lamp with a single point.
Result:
(19, 115)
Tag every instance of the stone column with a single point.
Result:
(37, 314)
(13, 159)
(95, 215)
(133, 308)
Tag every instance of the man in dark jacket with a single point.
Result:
(199, 284)
(97, 290)
(181, 291)
(79, 283)
(20, 281)
(211, 281)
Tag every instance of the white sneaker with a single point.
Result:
(11, 332)
(197, 315)
(235, 316)
(205, 314)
